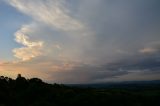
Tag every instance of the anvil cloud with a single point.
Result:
(86, 41)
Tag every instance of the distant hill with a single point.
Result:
(123, 84)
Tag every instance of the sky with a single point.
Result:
(80, 41)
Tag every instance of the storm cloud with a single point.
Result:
(88, 41)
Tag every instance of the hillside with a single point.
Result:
(34, 92)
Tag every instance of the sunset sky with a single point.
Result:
(80, 41)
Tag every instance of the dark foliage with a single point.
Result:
(34, 92)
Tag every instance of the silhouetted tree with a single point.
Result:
(35, 80)
(21, 82)
(35, 92)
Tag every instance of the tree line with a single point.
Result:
(35, 92)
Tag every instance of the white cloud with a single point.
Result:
(51, 12)
(54, 15)
(30, 49)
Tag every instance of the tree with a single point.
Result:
(21, 82)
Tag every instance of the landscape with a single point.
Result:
(35, 92)
(79, 52)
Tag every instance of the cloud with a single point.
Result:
(152, 48)
(148, 50)
(145, 63)
(50, 12)
(49, 17)
(30, 49)
(86, 74)
(87, 40)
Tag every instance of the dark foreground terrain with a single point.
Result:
(34, 92)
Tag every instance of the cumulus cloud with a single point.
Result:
(54, 17)
(88, 40)
(31, 49)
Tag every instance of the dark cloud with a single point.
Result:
(138, 66)
(152, 63)
(125, 26)
(86, 74)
